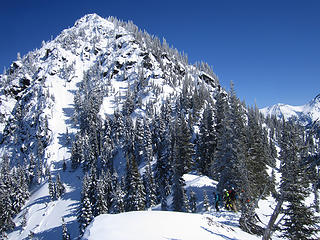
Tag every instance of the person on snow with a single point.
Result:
(233, 199)
(226, 199)
(216, 201)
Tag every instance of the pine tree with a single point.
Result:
(193, 202)
(206, 203)
(257, 156)
(206, 144)
(101, 205)
(178, 198)
(59, 187)
(24, 219)
(184, 146)
(185, 200)
(85, 214)
(76, 152)
(150, 187)
(163, 167)
(52, 188)
(148, 151)
(299, 220)
(118, 200)
(139, 141)
(65, 233)
(135, 192)
(230, 155)
(220, 111)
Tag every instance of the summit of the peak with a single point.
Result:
(92, 17)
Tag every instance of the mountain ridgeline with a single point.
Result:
(129, 116)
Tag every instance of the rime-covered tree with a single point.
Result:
(65, 233)
(193, 202)
(207, 141)
(150, 187)
(118, 196)
(135, 192)
(184, 146)
(139, 141)
(148, 150)
(87, 201)
(230, 155)
(299, 220)
(85, 214)
(257, 156)
(59, 187)
(220, 112)
(52, 188)
(163, 167)
(206, 203)
(178, 203)
(101, 205)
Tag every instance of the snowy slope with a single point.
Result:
(158, 225)
(305, 114)
(145, 225)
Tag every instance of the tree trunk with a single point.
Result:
(269, 230)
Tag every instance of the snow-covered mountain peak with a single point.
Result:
(315, 103)
(92, 18)
(304, 114)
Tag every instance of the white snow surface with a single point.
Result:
(155, 224)
(160, 225)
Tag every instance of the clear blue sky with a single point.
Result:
(270, 49)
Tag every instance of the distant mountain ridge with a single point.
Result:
(305, 114)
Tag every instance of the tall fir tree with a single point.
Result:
(65, 233)
(206, 145)
(230, 155)
(135, 192)
(299, 220)
(150, 187)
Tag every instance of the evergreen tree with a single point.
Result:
(65, 233)
(101, 205)
(257, 156)
(59, 187)
(184, 146)
(206, 144)
(299, 220)
(135, 192)
(118, 196)
(206, 203)
(178, 197)
(220, 111)
(150, 187)
(76, 152)
(85, 214)
(24, 219)
(139, 141)
(193, 202)
(185, 200)
(148, 151)
(230, 154)
(52, 188)
(163, 168)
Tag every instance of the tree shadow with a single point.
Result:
(217, 234)
(56, 233)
